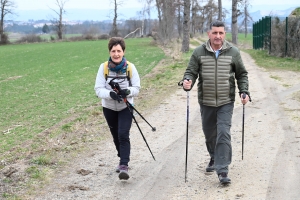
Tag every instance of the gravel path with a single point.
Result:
(268, 170)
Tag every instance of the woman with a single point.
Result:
(116, 87)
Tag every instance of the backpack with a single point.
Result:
(128, 71)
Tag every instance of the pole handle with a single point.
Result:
(244, 95)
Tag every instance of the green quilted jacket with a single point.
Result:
(216, 76)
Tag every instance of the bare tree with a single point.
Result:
(147, 11)
(186, 26)
(234, 21)
(179, 18)
(234, 25)
(115, 31)
(58, 23)
(166, 10)
(210, 12)
(7, 7)
(246, 16)
(220, 10)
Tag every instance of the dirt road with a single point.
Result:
(269, 170)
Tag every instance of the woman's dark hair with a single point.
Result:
(115, 41)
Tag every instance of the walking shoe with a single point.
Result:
(118, 169)
(211, 166)
(224, 179)
(123, 175)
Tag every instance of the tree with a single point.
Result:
(6, 7)
(234, 20)
(246, 16)
(58, 23)
(166, 10)
(179, 17)
(45, 28)
(147, 10)
(115, 31)
(210, 12)
(186, 26)
(197, 19)
(220, 10)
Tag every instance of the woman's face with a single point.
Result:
(116, 53)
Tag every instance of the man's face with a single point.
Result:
(216, 36)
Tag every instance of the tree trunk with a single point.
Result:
(234, 25)
(186, 27)
(114, 28)
(60, 25)
(246, 19)
(179, 21)
(220, 10)
(1, 26)
(6, 7)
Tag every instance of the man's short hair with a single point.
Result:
(217, 23)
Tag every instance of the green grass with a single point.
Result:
(243, 42)
(42, 84)
(263, 59)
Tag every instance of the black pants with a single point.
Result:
(119, 123)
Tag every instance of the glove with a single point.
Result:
(114, 96)
(124, 93)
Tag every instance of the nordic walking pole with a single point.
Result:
(243, 96)
(187, 130)
(130, 106)
(180, 83)
(153, 128)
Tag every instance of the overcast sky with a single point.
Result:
(106, 4)
(70, 4)
(43, 9)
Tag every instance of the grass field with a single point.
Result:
(41, 84)
(244, 42)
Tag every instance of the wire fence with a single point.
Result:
(280, 36)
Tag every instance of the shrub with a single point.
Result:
(32, 38)
(88, 36)
(103, 37)
(4, 39)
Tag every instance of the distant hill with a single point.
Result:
(124, 13)
(75, 14)
(259, 14)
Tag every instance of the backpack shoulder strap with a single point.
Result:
(105, 70)
(129, 69)
(129, 72)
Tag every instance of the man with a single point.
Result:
(217, 64)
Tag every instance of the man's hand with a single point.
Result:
(244, 98)
(187, 84)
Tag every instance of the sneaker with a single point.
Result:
(224, 179)
(123, 175)
(118, 169)
(211, 166)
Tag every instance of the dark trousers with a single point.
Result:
(119, 123)
(216, 124)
